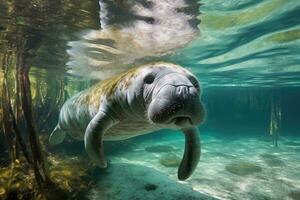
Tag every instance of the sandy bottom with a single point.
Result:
(245, 168)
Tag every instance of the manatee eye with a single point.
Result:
(150, 20)
(149, 79)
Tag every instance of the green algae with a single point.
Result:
(69, 177)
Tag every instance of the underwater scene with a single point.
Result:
(150, 99)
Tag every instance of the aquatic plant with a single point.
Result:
(20, 183)
(275, 121)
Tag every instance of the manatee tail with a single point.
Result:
(57, 136)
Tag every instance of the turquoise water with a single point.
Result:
(246, 55)
(246, 43)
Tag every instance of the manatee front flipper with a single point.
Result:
(192, 153)
(93, 138)
(57, 136)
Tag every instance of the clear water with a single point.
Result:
(247, 58)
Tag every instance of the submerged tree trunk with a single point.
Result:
(18, 138)
(39, 161)
(10, 124)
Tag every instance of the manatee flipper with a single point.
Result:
(57, 136)
(93, 138)
(192, 153)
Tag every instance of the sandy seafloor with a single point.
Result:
(136, 172)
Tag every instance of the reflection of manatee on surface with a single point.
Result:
(131, 33)
(142, 100)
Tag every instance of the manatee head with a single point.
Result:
(172, 97)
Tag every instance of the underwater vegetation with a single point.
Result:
(275, 121)
(20, 182)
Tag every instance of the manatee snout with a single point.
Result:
(178, 105)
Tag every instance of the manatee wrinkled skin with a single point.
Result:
(139, 101)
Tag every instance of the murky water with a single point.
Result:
(246, 55)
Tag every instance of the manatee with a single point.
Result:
(141, 100)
